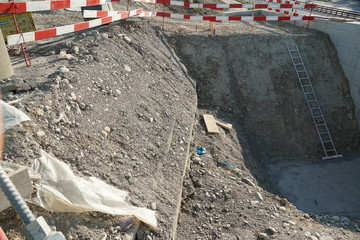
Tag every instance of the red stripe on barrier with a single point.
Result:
(81, 26)
(310, 18)
(60, 4)
(261, 5)
(209, 18)
(235, 5)
(310, 5)
(13, 7)
(259, 18)
(92, 2)
(106, 20)
(45, 33)
(296, 14)
(187, 16)
(186, 4)
(286, 12)
(284, 18)
(234, 18)
(163, 14)
(285, 5)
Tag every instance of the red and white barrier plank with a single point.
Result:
(95, 14)
(57, 31)
(17, 7)
(284, 12)
(220, 6)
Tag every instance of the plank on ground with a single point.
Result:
(222, 124)
(22, 182)
(210, 123)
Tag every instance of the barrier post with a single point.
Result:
(6, 69)
(212, 27)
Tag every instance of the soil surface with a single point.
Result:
(130, 114)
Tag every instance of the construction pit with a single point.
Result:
(154, 107)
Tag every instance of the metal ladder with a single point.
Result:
(313, 104)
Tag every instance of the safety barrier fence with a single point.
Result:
(221, 6)
(57, 31)
(95, 14)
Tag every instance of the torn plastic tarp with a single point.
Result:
(60, 190)
(12, 116)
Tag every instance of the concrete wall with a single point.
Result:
(346, 38)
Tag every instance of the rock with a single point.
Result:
(153, 206)
(103, 236)
(105, 35)
(107, 129)
(75, 49)
(63, 69)
(286, 225)
(64, 56)
(292, 223)
(326, 238)
(307, 234)
(313, 238)
(40, 133)
(249, 182)
(73, 97)
(126, 222)
(127, 39)
(127, 68)
(270, 231)
(259, 196)
(262, 235)
(282, 209)
(151, 119)
(335, 218)
(104, 134)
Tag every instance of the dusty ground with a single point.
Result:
(143, 93)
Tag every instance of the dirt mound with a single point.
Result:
(120, 111)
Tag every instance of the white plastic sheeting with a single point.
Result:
(60, 190)
(12, 116)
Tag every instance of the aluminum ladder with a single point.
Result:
(313, 104)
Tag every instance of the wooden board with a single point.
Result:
(22, 182)
(225, 125)
(210, 123)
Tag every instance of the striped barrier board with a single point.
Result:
(95, 14)
(207, 18)
(100, 14)
(234, 18)
(220, 6)
(284, 12)
(57, 31)
(17, 7)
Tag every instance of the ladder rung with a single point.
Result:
(294, 57)
(312, 100)
(331, 150)
(306, 85)
(301, 71)
(297, 64)
(327, 141)
(304, 78)
(293, 50)
(310, 93)
(320, 124)
(324, 133)
(316, 116)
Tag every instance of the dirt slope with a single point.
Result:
(136, 90)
